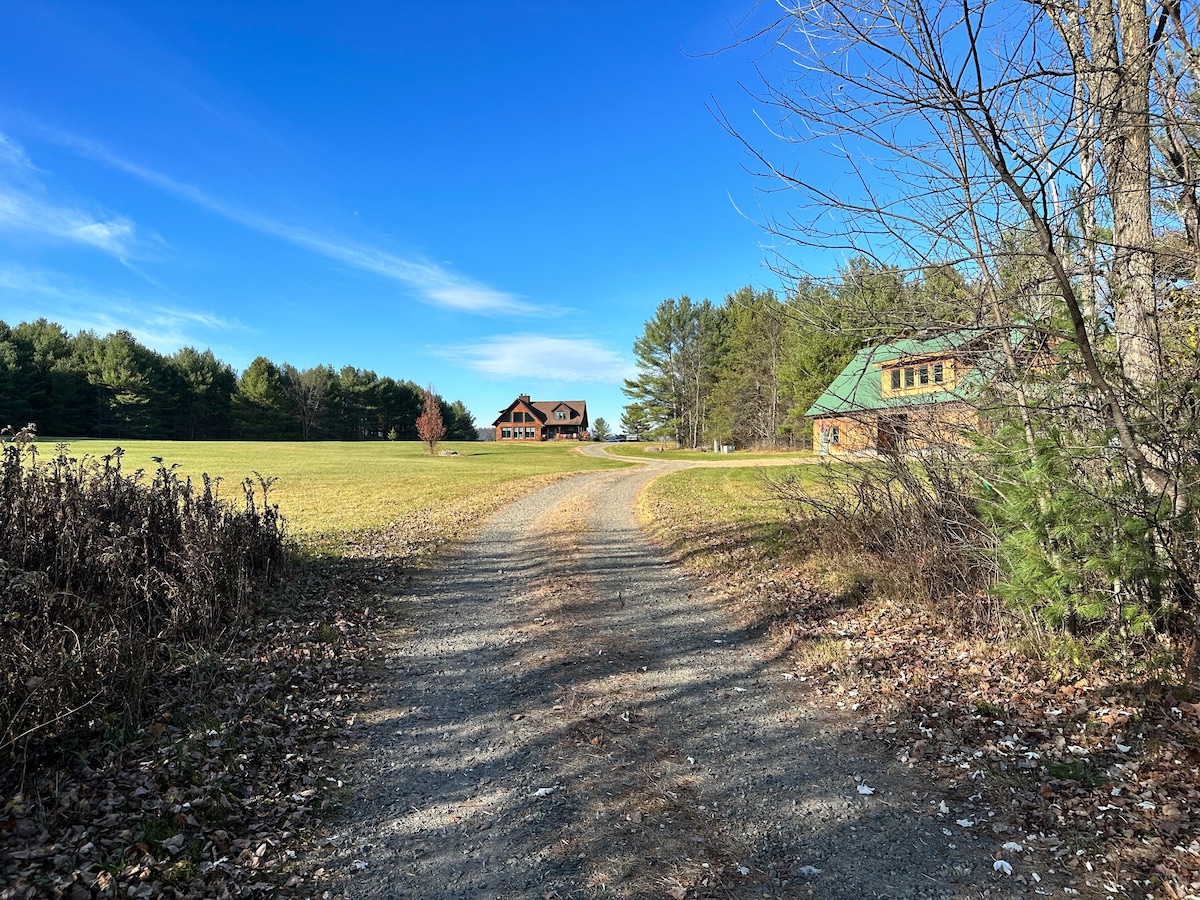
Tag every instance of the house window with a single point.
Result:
(560, 414)
(923, 375)
(506, 434)
(530, 433)
(835, 434)
(938, 373)
(910, 377)
(895, 373)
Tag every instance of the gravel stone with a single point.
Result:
(570, 714)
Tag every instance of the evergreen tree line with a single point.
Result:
(84, 385)
(745, 371)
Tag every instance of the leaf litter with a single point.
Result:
(1097, 775)
(222, 791)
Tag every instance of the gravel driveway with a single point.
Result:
(570, 715)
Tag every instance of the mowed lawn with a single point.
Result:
(733, 495)
(700, 502)
(325, 488)
(659, 450)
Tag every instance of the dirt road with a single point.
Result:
(573, 716)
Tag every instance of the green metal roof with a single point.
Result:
(859, 387)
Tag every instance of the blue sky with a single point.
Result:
(491, 197)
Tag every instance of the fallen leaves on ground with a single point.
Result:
(1098, 772)
(221, 790)
(216, 796)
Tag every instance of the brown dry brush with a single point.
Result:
(104, 577)
(914, 516)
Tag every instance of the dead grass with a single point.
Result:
(106, 577)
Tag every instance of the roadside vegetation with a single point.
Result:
(104, 572)
(1089, 748)
(173, 713)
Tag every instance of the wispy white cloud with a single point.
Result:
(29, 293)
(26, 207)
(542, 357)
(428, 281)
(13, 155)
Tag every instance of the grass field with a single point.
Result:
(711, 500)
(659, 450)
(326, 488)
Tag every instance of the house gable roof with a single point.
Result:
(859, 386)
(577, 411)
(543, 411)
(520, 401)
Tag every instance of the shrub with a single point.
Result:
(915, 515)
(105, 575)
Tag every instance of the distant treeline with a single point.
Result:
(112, 387)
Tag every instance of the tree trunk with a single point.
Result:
(1122, 62)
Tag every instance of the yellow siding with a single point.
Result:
(952, 372)
(906, 428)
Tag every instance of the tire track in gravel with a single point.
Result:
(575, 716)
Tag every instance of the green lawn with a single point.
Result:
(325, 488)
(706, 507)
(662, 450)
(725, 495)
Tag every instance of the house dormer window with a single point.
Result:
(916, 376)
(560, 414)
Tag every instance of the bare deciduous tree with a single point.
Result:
(308, 391)
(1016, 141)
(430, 426)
